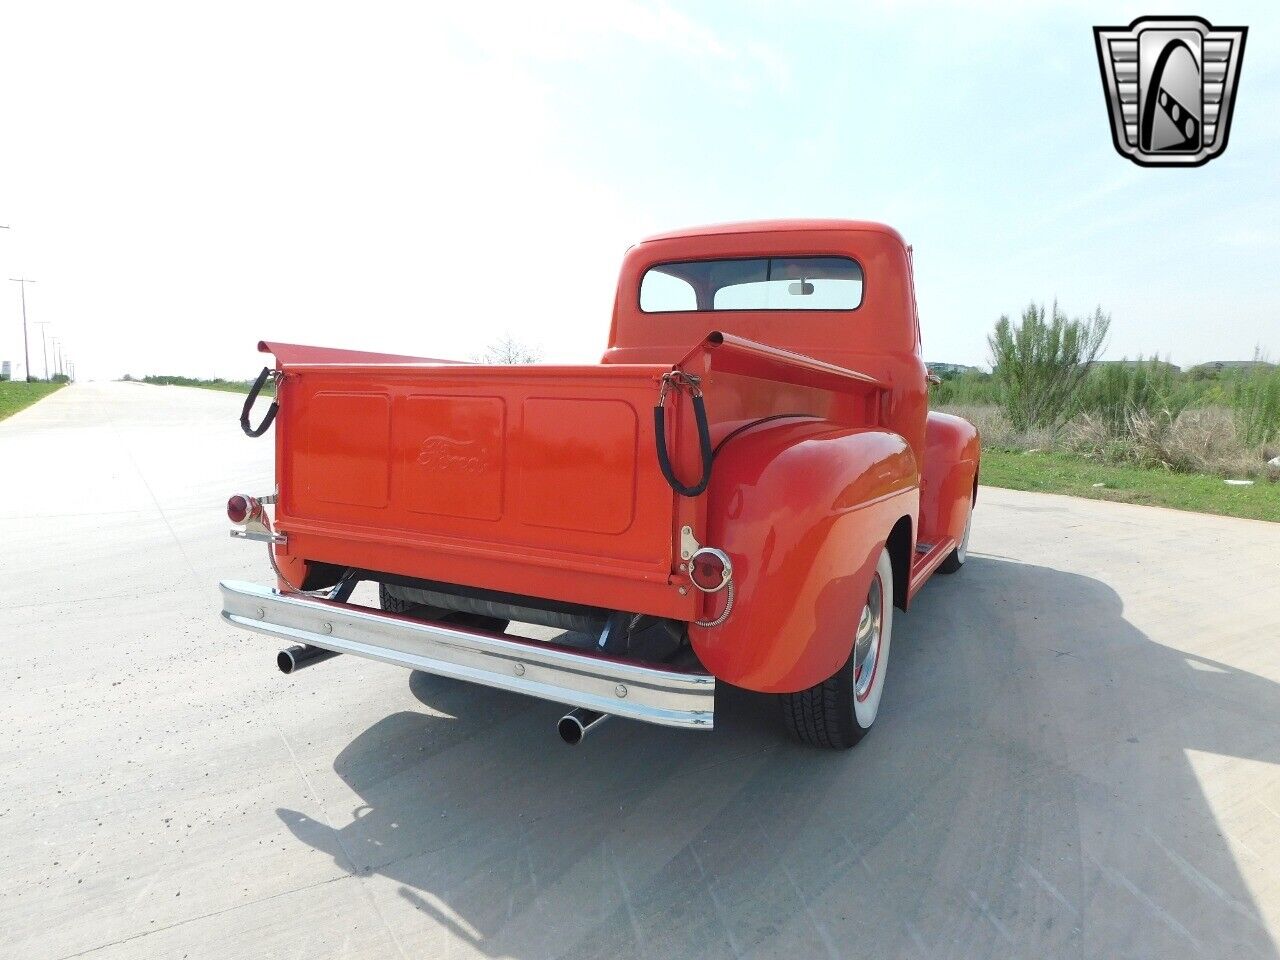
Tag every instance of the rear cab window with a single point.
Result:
(762, 283)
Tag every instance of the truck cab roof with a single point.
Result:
(778, 226)
(837, 290)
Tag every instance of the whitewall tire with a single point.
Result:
(838, 712)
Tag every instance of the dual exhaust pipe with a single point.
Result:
(576, 724)
(573, 726)
(294, 658)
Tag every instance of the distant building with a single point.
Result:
(1217, 366)
(5, 373)
(951, 369)
(1126, 362)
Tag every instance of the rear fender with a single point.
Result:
(950, 471)
(803, 511)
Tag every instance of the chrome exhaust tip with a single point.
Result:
(295, 658)
(576, 724)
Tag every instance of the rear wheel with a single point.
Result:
(956, 558)
(838, 712)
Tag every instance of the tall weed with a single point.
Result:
(1116, 392)
(1255, 401)
(965, 388)
(1041, 361)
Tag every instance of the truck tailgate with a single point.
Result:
(501, 477)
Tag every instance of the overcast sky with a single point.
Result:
(183, 180)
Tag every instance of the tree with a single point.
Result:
(509, 351)
(1040, 363)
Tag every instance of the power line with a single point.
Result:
(44, 340)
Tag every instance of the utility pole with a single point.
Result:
(44, 342)
(5, 226)
(57, 357)
(26, 352)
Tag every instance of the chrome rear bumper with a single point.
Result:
(623, 688)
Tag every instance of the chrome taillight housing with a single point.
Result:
(242, 508)
(710, 570)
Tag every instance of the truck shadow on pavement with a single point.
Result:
(1044, 780)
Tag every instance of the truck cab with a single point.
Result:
(745, 489)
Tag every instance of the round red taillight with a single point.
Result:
(710, 569)
(240, 508)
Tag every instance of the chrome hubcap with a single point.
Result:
(962, 551)
(866, 645)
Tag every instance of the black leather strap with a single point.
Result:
(704, 443)
(256, 389)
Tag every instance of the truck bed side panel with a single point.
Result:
(950, 468)
(803, 510)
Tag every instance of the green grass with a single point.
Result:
(1076, 476)
(17, 395)
(230, 386)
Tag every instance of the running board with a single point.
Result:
(923, 564)
(624, 688)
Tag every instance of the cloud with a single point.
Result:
(578, 30)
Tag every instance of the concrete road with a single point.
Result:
(1078, 756)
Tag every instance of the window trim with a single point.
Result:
(769, 256)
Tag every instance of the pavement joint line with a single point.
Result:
(1118, 878)
(1198, 878)
(818, 926)
(532, 821)
(351, 862)
(151, 493)
(204, 916)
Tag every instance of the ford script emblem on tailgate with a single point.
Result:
(447, 455)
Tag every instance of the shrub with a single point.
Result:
(1040, 363)
(1255, 401)
(1114, 393)
(1196, 441)
(964, 388)
(996, 431)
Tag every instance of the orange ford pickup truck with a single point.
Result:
(743, 489)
